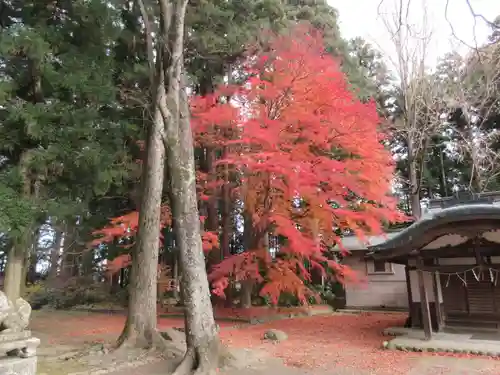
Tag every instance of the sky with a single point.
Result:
(361, 18)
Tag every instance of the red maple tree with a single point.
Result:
(125, 227)
(310, 159)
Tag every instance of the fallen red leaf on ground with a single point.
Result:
(323, 343)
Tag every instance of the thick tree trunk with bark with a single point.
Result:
(201, 331)
(171, 102)
(14, 269)
(140, 327)
(202, 355)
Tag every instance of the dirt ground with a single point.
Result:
(319, 345)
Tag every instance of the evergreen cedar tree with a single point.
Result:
(309, 160)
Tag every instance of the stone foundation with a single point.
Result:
(409, 339)
(18, 366)
(18, 353)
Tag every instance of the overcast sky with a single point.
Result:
(360, 18)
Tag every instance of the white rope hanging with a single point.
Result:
(464, 279)
(476, 271)
(476, 275)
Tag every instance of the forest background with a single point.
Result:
(76, 87)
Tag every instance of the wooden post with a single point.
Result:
(410, 297)
(424, 302)
(408, 287)
(437, 302)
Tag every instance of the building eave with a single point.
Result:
(432, 226)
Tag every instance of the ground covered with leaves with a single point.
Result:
(332, 344)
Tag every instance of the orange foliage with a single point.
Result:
(126, 227)
(311, 159)
(114, 266)
(125, 260)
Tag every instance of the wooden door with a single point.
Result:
(454, 295)
(475, 304)
(481, 297)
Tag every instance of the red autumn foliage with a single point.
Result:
(126, 227)
(125, 260)
(115, 265)
(310, 160)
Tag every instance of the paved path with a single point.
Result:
(423, 366)
(455, 366)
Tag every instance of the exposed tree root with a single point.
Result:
(131, 339)
(201, 360)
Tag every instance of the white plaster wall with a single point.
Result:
(378, 290)
(415, 290)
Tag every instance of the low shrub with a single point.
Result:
(77, 291)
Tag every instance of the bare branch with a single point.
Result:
(452, 28)
(418, 95)
(477, 15)
(475, 91)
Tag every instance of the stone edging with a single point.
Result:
(409, 348)
(395, 332)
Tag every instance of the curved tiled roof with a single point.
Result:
(458, 214)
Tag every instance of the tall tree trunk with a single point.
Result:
(212, 212)
(14, 271)
(69, 266)
(55, 254)
(212, 219)
(201, 331)
(414, 192)
(206, 87)
(250, 242)
(227, 204)
(317, 239)
(20, 254)
(87, 262)
(29, 268)
(246, 293)
(226, 214)
(225, 240)
(443, 186)
(140, 327)
(414, 181)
